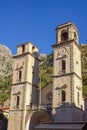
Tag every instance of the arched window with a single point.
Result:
(23, 49)
(64, 35)
(18, 101)
(78, 97)
(75, 36)
(63, 96)
(63, 66)
(20, 74)
(33, 49)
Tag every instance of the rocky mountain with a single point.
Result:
(5, 61)
(5, 72)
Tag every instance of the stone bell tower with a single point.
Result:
(24, 84)
(67, 80)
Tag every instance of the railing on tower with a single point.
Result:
(37, 107)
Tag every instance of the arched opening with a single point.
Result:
(23, 49)
(18, 101)
(63, 96)
(36, 118)
(20, 75)
(63, 66)
(64, 35)
(75, 36)
(78, 97)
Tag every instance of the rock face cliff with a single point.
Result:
(5, 61)
(5, 72)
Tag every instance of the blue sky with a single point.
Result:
(36, 20)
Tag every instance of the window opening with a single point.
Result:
(75, 35)
(63, 66)
(32, 69)
(20, 74)
(64, 36)
(23, 48)
(78, 96)
(33, 49)
(18, 100)
(63, 95)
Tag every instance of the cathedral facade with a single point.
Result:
(26, 111)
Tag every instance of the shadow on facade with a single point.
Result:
(3, 124)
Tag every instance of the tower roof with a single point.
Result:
(66, 24)
(26, 44)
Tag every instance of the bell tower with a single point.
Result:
(24, 84)
(67, 80)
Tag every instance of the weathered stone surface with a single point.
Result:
(5, 61)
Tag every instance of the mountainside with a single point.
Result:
(45, 70)
(84, 68)
(5, 72)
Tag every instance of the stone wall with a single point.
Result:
(45, 94)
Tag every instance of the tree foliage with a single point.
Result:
(5, 88)
(45, 71)
(84, 69)
(2, 116)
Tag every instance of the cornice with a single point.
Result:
(63, 43)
